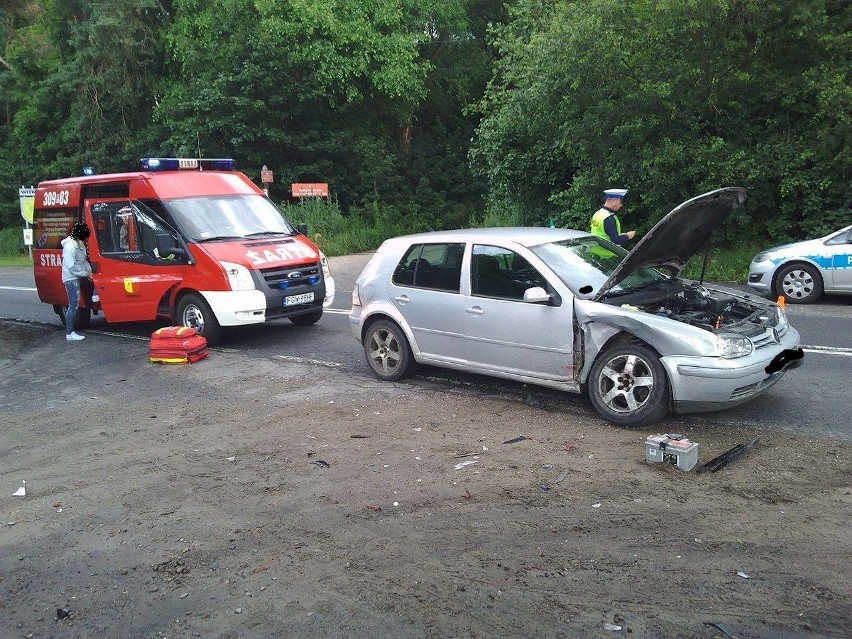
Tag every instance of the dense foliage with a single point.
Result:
(671, 99)
(435, 113)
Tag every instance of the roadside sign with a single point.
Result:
(265, 175)
(27, 197)
(28, 237)
(316, 189)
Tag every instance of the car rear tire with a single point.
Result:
(194, 311)
(798, 283)
(81, 321)
(388, 352)
(307, 319)
(628, 385)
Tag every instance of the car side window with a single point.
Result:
(842, 238)
(433, 266)
(115, 229)
(502, 273)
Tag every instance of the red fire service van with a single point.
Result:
(188, 240)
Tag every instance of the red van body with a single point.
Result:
(184, 240)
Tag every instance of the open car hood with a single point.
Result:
(678, 236)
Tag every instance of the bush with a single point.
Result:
(12, 242)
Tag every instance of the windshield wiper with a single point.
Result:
(288, 234)
(219, 237)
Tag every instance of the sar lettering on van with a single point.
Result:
(51, 259)
(281, 254)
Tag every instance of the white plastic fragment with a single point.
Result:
(743, 575)
(466, 463)
(231, 458)
(22, 491)
(611, 626)
(598, 505)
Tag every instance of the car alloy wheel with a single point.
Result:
(628, 385)
(387, 351)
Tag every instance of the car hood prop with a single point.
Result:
(678, 236)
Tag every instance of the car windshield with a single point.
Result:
(227, 217)
(589, 261)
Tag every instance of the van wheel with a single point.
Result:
(388, 352)
(628, 385)
(81, 322)
(194, 311)
(307, 319)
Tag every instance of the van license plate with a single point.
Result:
(304, 298)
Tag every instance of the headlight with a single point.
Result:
(326, 271)
(732, 346)
(760, 257)
(239, 276)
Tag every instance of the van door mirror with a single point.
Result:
(302, 228)
(166, 246)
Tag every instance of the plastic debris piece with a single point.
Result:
(611, 626)
(725, 630)
(743, 575)
(22, 491)
(321, 463)
(466, 463)
(517, 439)
(61, 613)
(597, 505)
(230, 459)
(358, 436)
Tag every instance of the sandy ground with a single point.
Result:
(243, 498)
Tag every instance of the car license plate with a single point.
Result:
(304, 298)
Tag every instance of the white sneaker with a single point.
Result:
(74, 337)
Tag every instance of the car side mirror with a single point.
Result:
(166, 246)
(302, 228)
(536, 295)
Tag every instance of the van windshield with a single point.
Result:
(217, 217)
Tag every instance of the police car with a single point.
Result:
(803, 271)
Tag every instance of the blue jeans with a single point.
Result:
(72, 288)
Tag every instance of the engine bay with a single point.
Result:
(711, 310)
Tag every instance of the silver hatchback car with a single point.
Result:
(567, 310)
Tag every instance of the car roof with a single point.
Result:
(523, 235)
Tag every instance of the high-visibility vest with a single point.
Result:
(597, 226)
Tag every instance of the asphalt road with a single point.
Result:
(814, 398)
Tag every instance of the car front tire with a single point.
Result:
(194, 311)
(628, 385)
(388, 352)
(798, 283)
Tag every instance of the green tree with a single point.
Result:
(670, 99)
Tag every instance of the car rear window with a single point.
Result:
(434, 266)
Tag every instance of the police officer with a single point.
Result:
(605, 222)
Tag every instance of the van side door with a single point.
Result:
(130, 277)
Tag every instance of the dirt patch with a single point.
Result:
(241, 498)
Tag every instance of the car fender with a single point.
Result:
(599, 323)
(386, 310)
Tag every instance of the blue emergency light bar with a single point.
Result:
(188, 164)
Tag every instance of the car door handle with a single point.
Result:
(402, 299)
(475, 310)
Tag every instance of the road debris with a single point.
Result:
(517, 439)
(728, 456)
(321, 463)
(469, 462)
(725, 630)
(22, 491)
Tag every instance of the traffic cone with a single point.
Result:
(781, 301)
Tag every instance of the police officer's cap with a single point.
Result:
(618, 193)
